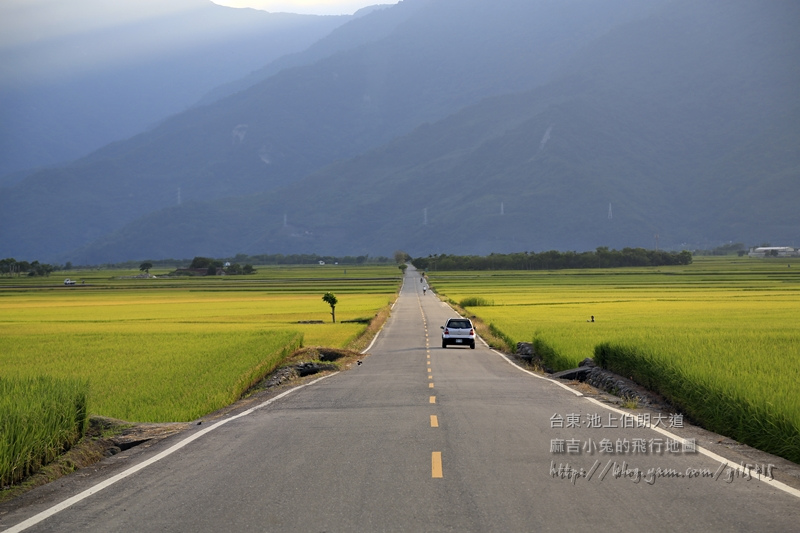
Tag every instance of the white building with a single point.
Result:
(774, 251)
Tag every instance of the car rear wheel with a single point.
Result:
(472, 345)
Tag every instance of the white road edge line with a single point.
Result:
(375, 338)
(707, 453)
(534, 374)
(144, 464)
(772, 482)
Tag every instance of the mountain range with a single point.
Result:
(467, 127)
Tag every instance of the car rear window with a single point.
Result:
(459, 324)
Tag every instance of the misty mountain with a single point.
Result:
(359, 32)
(677, 130)
(445, 55)
(676, 125)
(73, 89)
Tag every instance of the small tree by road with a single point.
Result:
(145, 267)
(401, 257)
(331, 300)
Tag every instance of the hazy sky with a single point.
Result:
(31, 30)
(318, 7)
(25, 21)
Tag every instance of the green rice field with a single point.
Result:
(158, 349)
(39, 418)
(173, 349)
(718, 338)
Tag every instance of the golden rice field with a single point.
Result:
(175, 349)
(156, 350)
(39, 418)
(716, 337)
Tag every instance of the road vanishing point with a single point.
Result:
(420, 438)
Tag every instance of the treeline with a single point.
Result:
(11, 267)
(555, 260)
(214, 267)
(308, 259)
(260, 259)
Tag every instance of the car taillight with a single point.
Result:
(446, 331)
(472, 331)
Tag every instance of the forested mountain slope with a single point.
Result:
(446, 55)
(675, 131)
(472, 127)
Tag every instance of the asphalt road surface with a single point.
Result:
(419, 438)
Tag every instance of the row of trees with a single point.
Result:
(306, 259)
(244, 259)
(11, 267)
(214, 265)
(555, 260)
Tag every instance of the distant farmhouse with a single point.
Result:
(774, 251)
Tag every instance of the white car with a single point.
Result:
(69, 281)
(458, 331)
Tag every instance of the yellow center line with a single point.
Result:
(430, 385)
(433, 399)
(434, 421)
(430, 377)
(436, 464)
(429, 370)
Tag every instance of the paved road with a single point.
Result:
(418, 438)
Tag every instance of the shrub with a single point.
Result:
(475, 301)
(551, 357)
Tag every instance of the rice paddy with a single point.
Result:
(718, 338)
(158, 350)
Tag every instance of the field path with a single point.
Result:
(417, 438)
